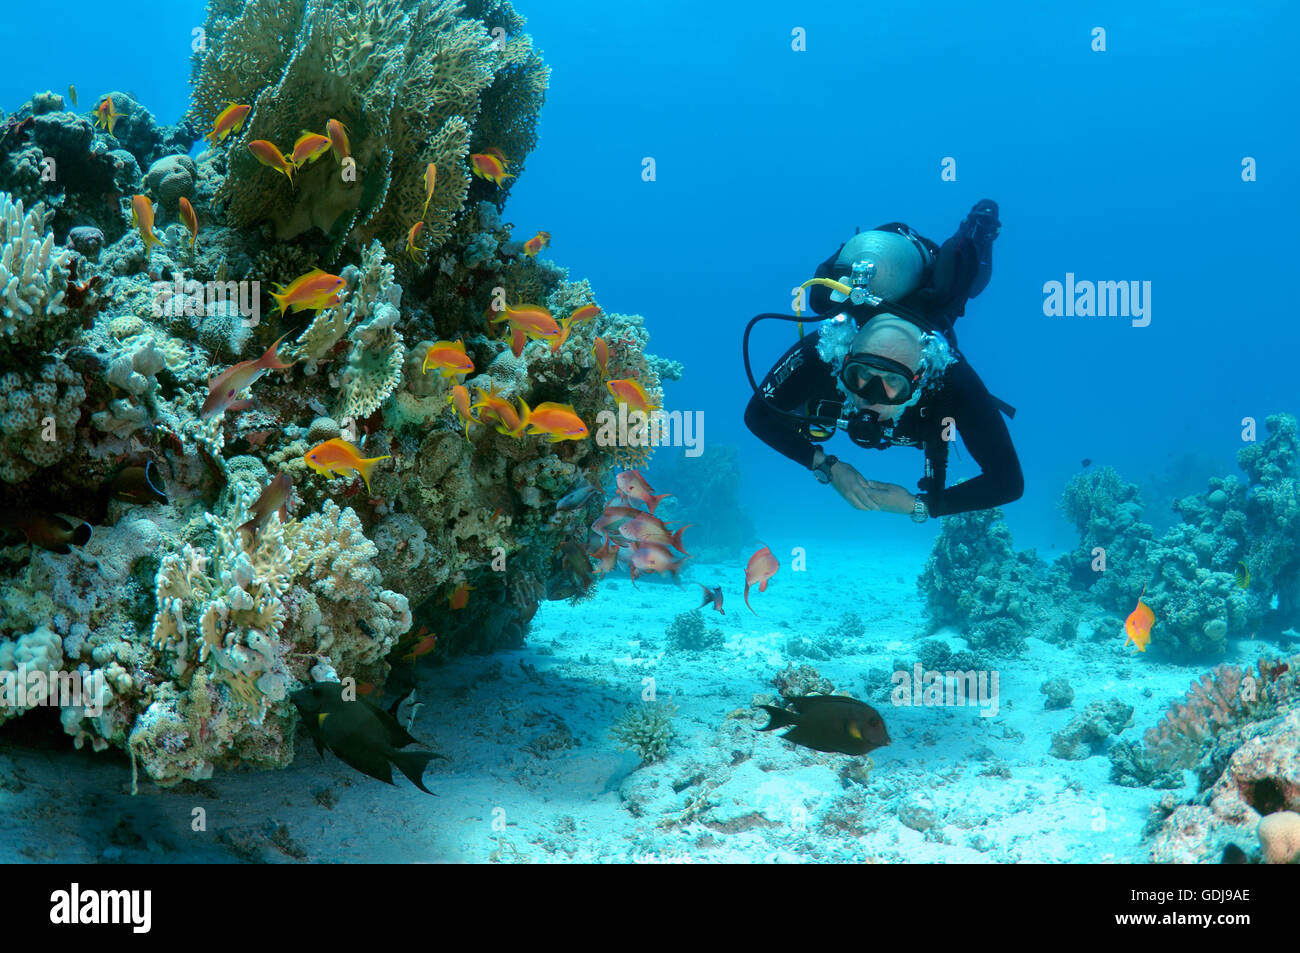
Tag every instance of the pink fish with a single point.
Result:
(652, 557)
(223, 388)
(633, 486)
(762, 566)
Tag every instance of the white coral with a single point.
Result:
(33, 272)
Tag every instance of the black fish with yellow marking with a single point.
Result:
(833, 723)
(139, 485)
(51, 531)
(362, 735)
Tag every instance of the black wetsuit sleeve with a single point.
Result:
(980, 425)
(800, 377)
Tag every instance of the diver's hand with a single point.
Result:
(849, 484)
(889, 497)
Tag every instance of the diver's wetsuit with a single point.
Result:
(801, 378)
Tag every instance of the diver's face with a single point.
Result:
(892, 385)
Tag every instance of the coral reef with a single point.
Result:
(646, 729)
(1088, 731)
(687, 632)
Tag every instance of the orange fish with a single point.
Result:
(1138, 624)
(223, 388)
(309, 147)
(628, 390)
(338, 137)
(231, 119)
(423, 646)
(459, 398)
(585, 313)
(273, 499)
(142, 218)
(558, 421)
(762, 566)
(537, 243)
(533, 319)
(558, 342)
(430, 180)
(339, 456)
(315, 290)
(633, 486)
(267, 154)
(600, 351)
(190, 219)
(505, 163)
(411, 236)
(449, 357)
(500, 408)
(487, 165)
(460, 597)
(606, 557)
(105, 115)
(517, 341)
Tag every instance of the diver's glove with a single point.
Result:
(981, 225)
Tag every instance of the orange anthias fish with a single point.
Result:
(231, 119)
(105, 115)
(517, 341)
(309, 147)
(411, 248)
(558, 421)
(190, 219)
(267, 154)
(489, 165)
(537, 243)
(223, 388)
(600, 351)
(449, 358)
(313, 291)
(585, 313)
(338, 137)
(500, 408)
(459, 398)
(653, 557)
(1138, 624)
(273, 499)
(633, 486)
(430, 180)
(142, 218)
(424, 644)
(459, 598)
(533, 319)
(628, 390)
(762, 566)
(339, 456)
(558, 342)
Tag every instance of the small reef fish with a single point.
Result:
(517, 341)
(1138, 624)
(459, 399)
(647, 529)
(714, 596)
(633, 486)
(412, 234)
(424, 644)
(629, 391)
(229, 120)
(533, 319)
(653, 557)
(575, 498)
(267, 154)
(761, 567)
(223, 388)
(606, 557)
(460, 597)
(585, 313)
(430, 180)
(50, 531)
(339, 456)
(273, 499)
(142, 219)
(106, 116)
(190, 219)
(490, 165)
(313, 291)
(362, 735)
(1242, 575)
(615, 516)
(449, 358)
(558, 342)
(72, 95)
(500, 408)
(308, 147)
(337, 133)
(557, 421)
(139, 485)
(600, 351)
(831, 723)
(537, 243)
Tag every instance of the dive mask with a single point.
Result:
(872, 377)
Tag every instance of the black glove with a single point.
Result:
(981, 225)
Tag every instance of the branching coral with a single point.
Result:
(646, 729)
(33, 277)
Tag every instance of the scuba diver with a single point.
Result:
(885, 368)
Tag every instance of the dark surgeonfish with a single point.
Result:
(833, 723)
(364, 736)
(139, 485)
(52, 531)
